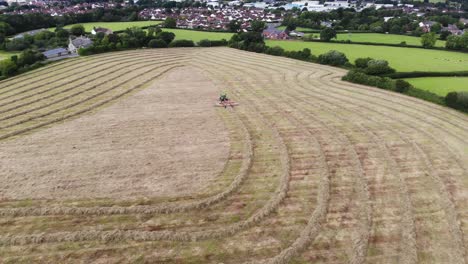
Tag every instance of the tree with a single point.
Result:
(170, 22)
(62, 33)
(444, 35)
(77, 30)
(7, 67)
(157, 43)
(436, 28)
(327, 34)
(333, 57)
(258, 26)
(428, 40)
(234, 26)
(167, 37)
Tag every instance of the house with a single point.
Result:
(426, 25)
(96, 30)
(453, 29)
(53, 53)
(273, 33)
(79, 42)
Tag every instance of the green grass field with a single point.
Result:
(384, 38)
(198, 35)
(7, 54)
(115, 26)
(402, 59)
(440, 85)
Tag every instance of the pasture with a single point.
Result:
(130, 161)
(116, 26)
(384, 38)
(196, 36)
(440, 85)
(402, 59)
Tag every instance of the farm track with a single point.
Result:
(355, 174)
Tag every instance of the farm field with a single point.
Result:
(307, 169)
(440, 85)
(196, 36)
(384, 38)
(115, 26)
(402, 59)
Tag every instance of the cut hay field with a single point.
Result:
(123, 158)
(116, 26)
(440, 85)
(402, 59)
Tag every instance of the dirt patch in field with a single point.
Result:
(165, 140)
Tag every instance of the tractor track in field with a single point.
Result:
(321, 170)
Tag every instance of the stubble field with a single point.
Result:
(123, 157)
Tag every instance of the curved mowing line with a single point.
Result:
(408, 233)
(344, 86)
(361, 243)
(114, 235)
(16, 114)
(50, 69)
(22, 131)
(450, 212)
(158, 209)
(314, 223)
(84, 81)
(79, 102)
(57, 78)
(340, 72)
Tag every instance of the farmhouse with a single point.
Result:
(274, 33)
(79, 42)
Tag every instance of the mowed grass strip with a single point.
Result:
(402, 59)
(440, 85)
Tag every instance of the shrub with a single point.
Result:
(217, 43)
(377, 67)
(212, 43)
(276, 51)
(182, 43)
(362, 62)
(333, 57)
(304, 54)
(362, 78)
(457, 100)
(402, 86)
(204, 43)
(157, 43)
